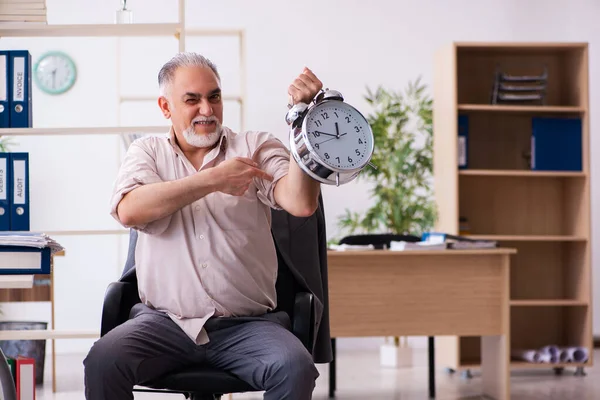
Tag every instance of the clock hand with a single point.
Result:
(337, 130)
(325, 141)
(324, 133)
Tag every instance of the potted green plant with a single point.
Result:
(402, 192)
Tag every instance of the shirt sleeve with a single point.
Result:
(138, 168)
(274, 158)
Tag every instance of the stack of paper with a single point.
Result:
(402, 246)
(23, 11)
(350, 247)
(29, 239)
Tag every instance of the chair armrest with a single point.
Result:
(304, 319)
(118, 300)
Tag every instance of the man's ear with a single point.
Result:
(164, 107)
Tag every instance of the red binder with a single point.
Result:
(25, 378)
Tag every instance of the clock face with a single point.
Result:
(55, 73)
(340, 135)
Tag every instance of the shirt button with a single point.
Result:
(198, 208)
(201, 236)
(204, 265)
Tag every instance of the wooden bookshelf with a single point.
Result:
(545, 215)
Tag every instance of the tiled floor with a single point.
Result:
(361, 377)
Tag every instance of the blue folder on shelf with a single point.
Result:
(21, 115)
(19, 214)
(24, 260)
(556, 144)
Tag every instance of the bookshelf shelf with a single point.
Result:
(16, 281)
(548, 303)
(529, 238)
(522, 173)
(520, 109)
(89, 30)
(108, 130)
(544, 215)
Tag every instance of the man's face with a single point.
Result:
(194, 106)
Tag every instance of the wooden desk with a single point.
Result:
(427, 293)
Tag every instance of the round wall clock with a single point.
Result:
(55, 72)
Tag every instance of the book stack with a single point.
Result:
(519, 89)
(23, 11)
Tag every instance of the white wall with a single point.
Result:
(350, 45)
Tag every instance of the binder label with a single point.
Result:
(3, 176)
(19, 76)
(462, 151)
(19, 181)
(3, 78)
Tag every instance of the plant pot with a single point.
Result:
(35, 349)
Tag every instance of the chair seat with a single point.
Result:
(201, 380)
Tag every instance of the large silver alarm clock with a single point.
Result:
(330, 140)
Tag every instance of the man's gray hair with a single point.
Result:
(186, 59)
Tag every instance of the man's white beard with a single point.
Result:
(199, 139)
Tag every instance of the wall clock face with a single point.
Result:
(55, 72)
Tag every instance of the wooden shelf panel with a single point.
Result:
(528, 365)
(88, 30)
(39, 290)
(499, 108)
(525, 47)
(548, 303)
(529, 238)
(476, 364)
(16, 281)
(108, 130)
(522, 173)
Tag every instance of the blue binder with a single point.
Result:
(21, 115)
(5, 192)
(19, 214)
(463, 141)
(5, 73)
(556, 144)
(12, 261)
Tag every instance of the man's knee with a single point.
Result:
(296, 365)
(106, 361)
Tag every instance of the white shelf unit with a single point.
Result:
(177, 30)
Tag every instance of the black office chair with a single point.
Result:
(202, 382)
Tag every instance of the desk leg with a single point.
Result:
(332, 371)
(431, 352)
(495, 368)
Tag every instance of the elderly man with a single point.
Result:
(201, 199)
